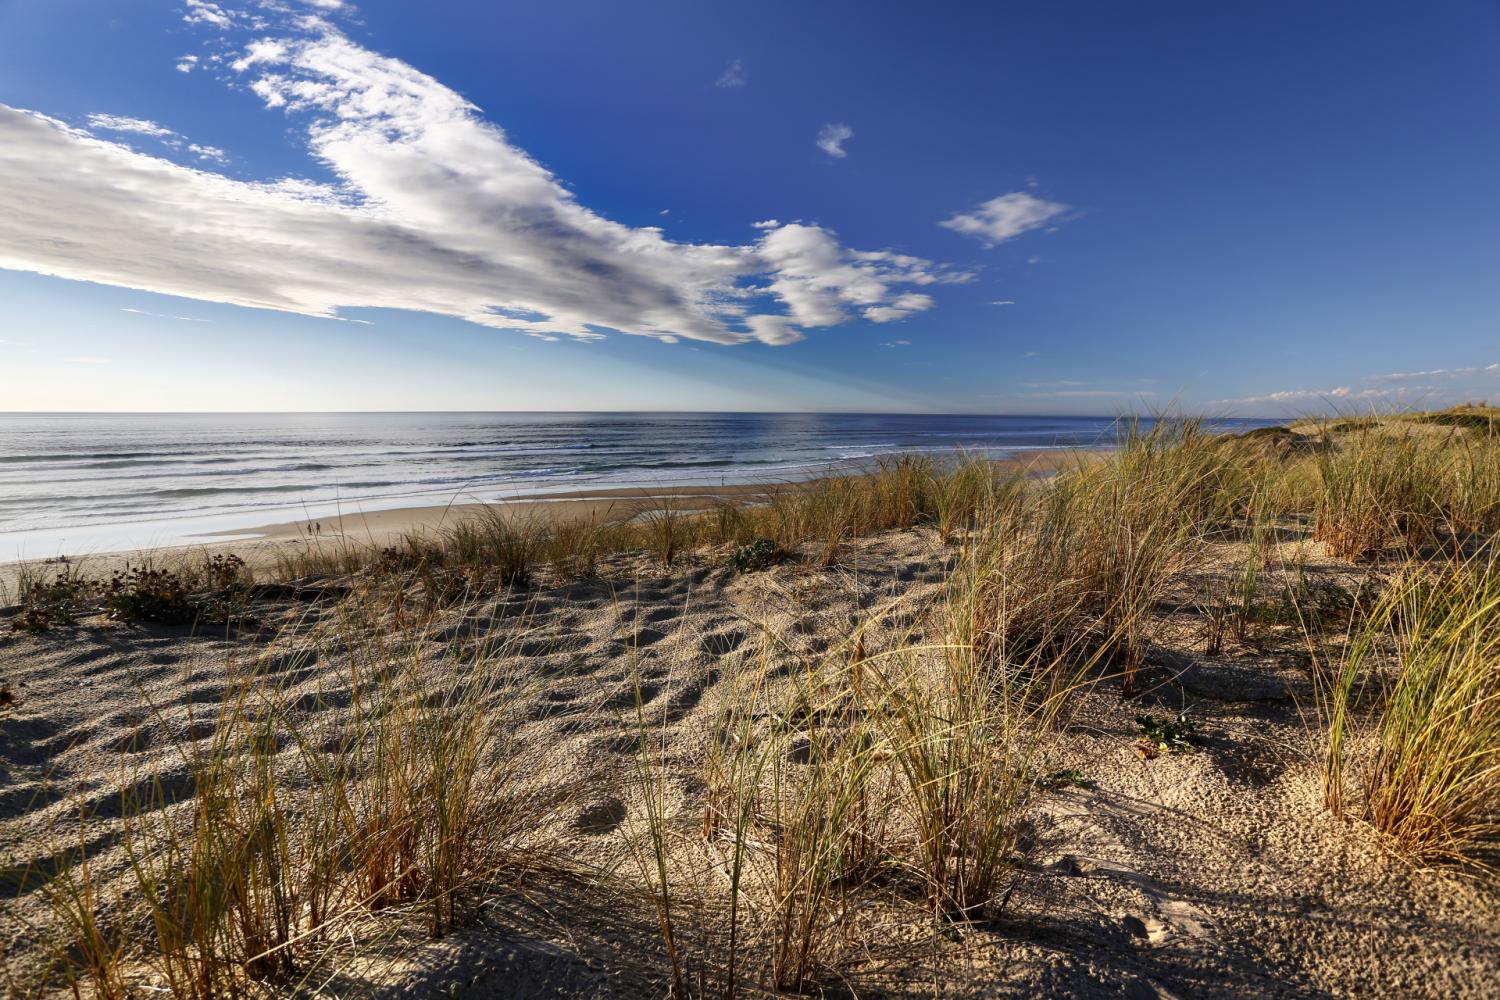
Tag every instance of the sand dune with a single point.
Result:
(1207, 873)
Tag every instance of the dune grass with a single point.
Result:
(401, 791)
(1425, 659)
(829, 780)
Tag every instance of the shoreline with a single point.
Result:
(262, 545)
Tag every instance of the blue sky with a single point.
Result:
(1254, 208)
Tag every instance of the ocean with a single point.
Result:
(87, 482)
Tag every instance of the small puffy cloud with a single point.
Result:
(896, 343)
(138, 126)
(1004, 217)
(831, 139)
(734, 75)
(765, 224)
(185, 64)
(211, 153)
(205, 13)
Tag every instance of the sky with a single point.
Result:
(1259, 209)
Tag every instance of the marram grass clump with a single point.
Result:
(1426, 658)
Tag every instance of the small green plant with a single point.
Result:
(1068, 777)
(1160, 736)
(47, 604)
(757, 555)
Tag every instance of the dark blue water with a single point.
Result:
(135, 479)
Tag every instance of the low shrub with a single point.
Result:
(144, 593)
(757, 555)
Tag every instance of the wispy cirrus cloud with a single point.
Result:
(831, 139)
(121, 123)
(734, 75)
(150, 129)
(1436, 385)
(431, 208)
(1005, 217)
(1435, 373)
(185, 319)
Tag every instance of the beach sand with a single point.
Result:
(1212, 873)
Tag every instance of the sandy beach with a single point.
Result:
(712, 501)
(1210, 873)
(694, 717)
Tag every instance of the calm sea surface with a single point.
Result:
(77, 483)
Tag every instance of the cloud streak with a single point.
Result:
(431, 209)
(1391, 387)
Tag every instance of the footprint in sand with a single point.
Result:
(604, 816)
(723, 643)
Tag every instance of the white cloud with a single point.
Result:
(896, 343)
(1003, 302)
(185, 64)
(1438, 373)
(211, 153)
(141, 126)
(137, 126)
(818, 279)
(432, 210)
(185, 319)
(765, 224)
(206, 13)
(1385, 388)
(734, 75)
(831, 139)
(1004, 217)
(774, 330)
